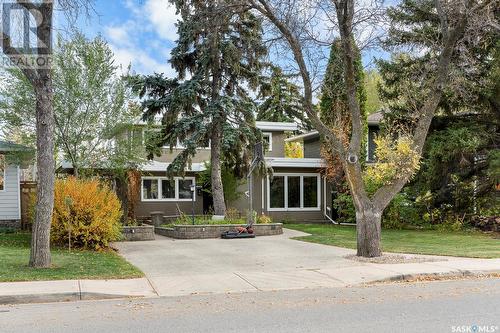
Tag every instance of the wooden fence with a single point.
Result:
(28, 192)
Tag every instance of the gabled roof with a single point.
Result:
(262, 125)
(302, 137)
(295, 162)
(7, 146)
(276, 126)
(375, 118)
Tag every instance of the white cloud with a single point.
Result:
(118, 34)
(163, 18)
(127, 40)
(140, 61)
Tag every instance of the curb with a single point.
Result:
(60, 297)
(437, 276)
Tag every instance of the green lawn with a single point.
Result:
(449, 243)
(14, 256)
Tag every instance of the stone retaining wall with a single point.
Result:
(214, 231)
(10, 224)
(138, 233)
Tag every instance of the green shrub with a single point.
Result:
(401, 213)
(86, 214)
(344, 206)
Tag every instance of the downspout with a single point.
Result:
(324, 203)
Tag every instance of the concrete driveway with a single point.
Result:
(182, 267)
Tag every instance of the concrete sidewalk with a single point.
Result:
(73, 290)
(213, 266)
(203, 266)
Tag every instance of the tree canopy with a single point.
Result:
(90, 105)
(218, 58)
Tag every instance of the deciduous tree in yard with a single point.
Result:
(90, 106)
(218, 58)
(40, 77)
(458, 22)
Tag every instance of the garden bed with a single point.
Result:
(214, 230)
(143, 232)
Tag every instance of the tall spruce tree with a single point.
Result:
(333, 101)
(281, 100)
(218, 58)
(472, 76)
(464, 139)
(334, 111)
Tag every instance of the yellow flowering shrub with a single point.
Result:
(264, 219)
(294, 150)
(395, 159)
(86, 214)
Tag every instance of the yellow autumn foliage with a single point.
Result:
(86, 214)
(395, 159)
(294, 150)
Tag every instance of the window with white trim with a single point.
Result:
(2, 172)
(267, 137)
(293, 192)
(167, 189)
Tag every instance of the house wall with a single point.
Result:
(312, 148)
(278, 144)
(9, 197)
(260, 194)
(144, 208)
(168, 156)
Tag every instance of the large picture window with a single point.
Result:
(165, 189)
(2, 172)
(293, 192)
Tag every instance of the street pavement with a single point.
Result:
(439, 306)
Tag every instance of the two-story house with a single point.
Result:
(292, 193)
(295, 191)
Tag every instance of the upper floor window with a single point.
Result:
(165, 189)
(2, 172)
(268, 141)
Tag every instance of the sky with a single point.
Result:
(142, 33)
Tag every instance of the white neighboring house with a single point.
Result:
(11, 157)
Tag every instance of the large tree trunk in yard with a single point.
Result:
(216, 176)
(368, 230)
(40, 241)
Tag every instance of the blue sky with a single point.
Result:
(142, 33)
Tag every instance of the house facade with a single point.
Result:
(296, 191)
(293, 192)
(11, 157)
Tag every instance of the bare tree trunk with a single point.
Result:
(216, 140)
(40, 241)
(216, 176)
(368, 231)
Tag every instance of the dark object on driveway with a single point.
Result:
(240, 232)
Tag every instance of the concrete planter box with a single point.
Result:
(214, 231)
(138, 233)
